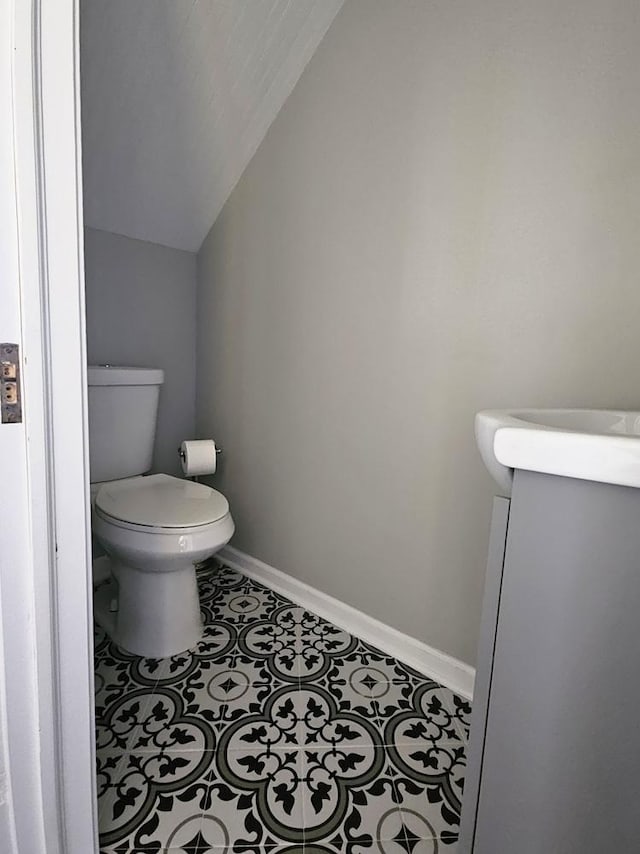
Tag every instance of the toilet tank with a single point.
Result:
(123, 407)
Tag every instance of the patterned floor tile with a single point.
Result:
(256, 801)
(212, 655)
(425, 819)
(330, 715)
(350, 702)
(429, 787)
(118, 721)
(240, 847)
(227, 699)
(294, 643)
(170, 725)
(218, 639)
(351, 798)
(277, 732)
(367, 678)
(402, 843)
(461, 710)
(156, 801)
(274, 723)
(243, 604)
(387, 668)
(108, 763)
(142, 671)
(417, 716)
(113, 679)
(216, 578)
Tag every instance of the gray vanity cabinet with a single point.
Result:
(554, 758)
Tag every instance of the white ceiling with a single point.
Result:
(176, 97)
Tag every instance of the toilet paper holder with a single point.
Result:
(181, 453)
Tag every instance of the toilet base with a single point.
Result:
(158, 613)
(103, 596)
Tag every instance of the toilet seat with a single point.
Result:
(160, 502)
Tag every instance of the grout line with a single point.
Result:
(288, 748)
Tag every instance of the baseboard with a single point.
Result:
(433, 663)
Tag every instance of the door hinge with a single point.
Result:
(10, 393)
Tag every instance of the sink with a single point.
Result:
(589, 444)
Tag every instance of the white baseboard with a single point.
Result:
(439, 666)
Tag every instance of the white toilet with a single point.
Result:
(154, 528)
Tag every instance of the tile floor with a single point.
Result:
(278, 733)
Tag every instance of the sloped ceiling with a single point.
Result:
(176, 97)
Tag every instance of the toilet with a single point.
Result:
(155, 528)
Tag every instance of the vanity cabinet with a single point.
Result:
(554, 755)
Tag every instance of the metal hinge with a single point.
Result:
(10, 393)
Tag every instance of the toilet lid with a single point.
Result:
(162, 501)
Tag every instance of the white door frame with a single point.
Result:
(45, 584)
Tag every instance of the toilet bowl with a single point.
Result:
(155, 529)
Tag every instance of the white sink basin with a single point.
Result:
(590, 444)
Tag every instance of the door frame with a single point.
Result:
(52, 741)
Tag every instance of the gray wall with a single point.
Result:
(141, 311)
(444, 217)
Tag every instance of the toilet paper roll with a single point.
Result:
(198, 457)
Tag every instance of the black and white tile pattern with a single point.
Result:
(278, 733)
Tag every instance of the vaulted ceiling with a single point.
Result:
(176, 97)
